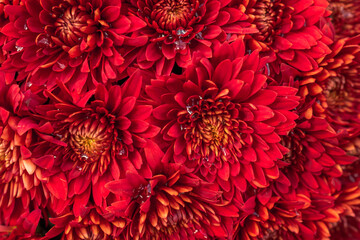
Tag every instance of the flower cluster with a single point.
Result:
(188, 119)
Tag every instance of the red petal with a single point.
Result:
(58, 186)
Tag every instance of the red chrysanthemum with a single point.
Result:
(289, 28)
(22, 167)
(333, 91)
(24, 227)
(296, 214)
(345, 17)
(346, 191)
(99, 138)
(176, 29)
(77, 42)
(3, 21)
(222, 119)
(93, 224)
(172, 205)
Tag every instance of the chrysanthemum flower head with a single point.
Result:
(22, 168)
(176, 29)
(103, 137)
(222, 119)
(172, 204)
(77, 42)
(290, 29)
(345, 17)
(24, 226)
(92, 224)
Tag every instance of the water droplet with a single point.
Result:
(84, 157)
(228, 37)
(18, 49)
(29, 84)
(180, 32)
(256, 214)
(122, 152)
(55, 156)
(148, 190)
(78, 168)
(223, 151)
(249, 51)
(180, 45)
(199, 35)
(352, 179)
(170, 37)
(61, 65)
(59, 135)
(188, 109)
(296, 212)
(26, 27)
(106, 34)
(268, 69)
(196, 231)
(43, 41)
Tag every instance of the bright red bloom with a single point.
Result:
(22, 168)
(24, 228)
(345, 17)
(333, 91)
(99, 136)
(3, 21)
(222, 119)
(296, 214)
(172, 205)
(93, 224)
(77, 42)
(289, 28)
(346, 191)
(176, 29)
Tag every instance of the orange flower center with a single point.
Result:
(335, 92)
(171, 15)
(72, 26)
(89, 140)
(210, 129)
(267, 14)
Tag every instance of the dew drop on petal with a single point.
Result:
(268, 69)
(26, 27)
(122, 152)
(61, 65)
(188, 109)
(179, 45)
(180, 32)
(228, 37)
(199, 35)
(84, 157)
(43, 41)
(18, 49)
